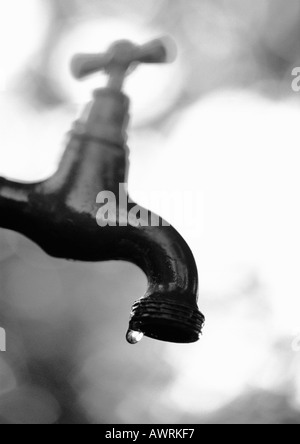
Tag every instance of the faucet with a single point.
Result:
(65, 214)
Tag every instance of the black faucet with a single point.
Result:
(65, 216)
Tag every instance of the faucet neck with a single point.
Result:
(106, 118)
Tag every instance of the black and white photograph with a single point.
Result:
(149, 215)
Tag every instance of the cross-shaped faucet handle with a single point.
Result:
(121, 58)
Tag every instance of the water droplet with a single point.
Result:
(133, 337)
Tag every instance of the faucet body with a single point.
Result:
(60, 215)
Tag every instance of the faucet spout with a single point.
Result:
(169, 310)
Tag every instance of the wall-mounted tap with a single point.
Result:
(61, 214)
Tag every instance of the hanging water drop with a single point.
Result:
(133, 337)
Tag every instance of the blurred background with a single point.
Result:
(219, 127)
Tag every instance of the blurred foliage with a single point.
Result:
(67, 360)
(223, 44)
